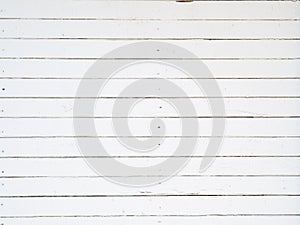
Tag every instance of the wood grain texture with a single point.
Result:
(252, 49)
(153, 206)
(235, 108)
(68, 88)
(185, 220)
(149, 10)
(231, 147)
(202, 49)
(222, 166)
(139, 30)
(75, 69)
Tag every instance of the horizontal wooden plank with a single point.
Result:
(257, 107)
(67, 147)
(107, 29)
(16, 68)
(151, 10)
(150, 206)
(221, 166)
(139, 127)
(97, 48)
(68, 88)
(167, 220)
(176, 186)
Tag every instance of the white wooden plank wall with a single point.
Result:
(251, 47)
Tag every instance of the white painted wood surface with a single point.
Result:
(251, 47)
